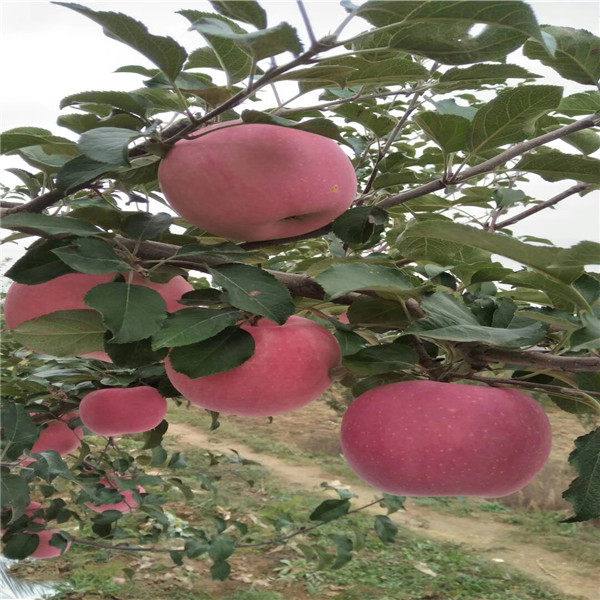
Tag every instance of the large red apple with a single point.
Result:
(25, 302)
(289, 368)
(426, 438)
(257, 182)
(117, 411)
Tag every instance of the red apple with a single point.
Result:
(426, 438)
(44, 549)
(25, 302)
(57, 436)
(257, 182)
(289, 368)
(117, 411)
(128, 504)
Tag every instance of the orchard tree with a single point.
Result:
(355, 228)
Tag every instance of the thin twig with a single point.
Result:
(580, 187)
(307, 23)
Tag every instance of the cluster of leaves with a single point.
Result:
(418, 77)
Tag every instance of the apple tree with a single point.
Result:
(274, 210)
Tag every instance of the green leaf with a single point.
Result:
(450, 107)
(22, 137)
(449, 132)
(448, 319)
(234, 59)
(133, 354)
(191, 325)
(544, 258)
(146, 226)
(553, 165)
(259, 44)
(377, 312)
(222, 352)
(385, 529)
(130, 312)
(475, 76)
(509, 117)
(505, 197)
(575, 57)
(392, 503)
(18, 431)
(50, 225)
(350, 343)
(582, 103)
(120, 100)
(254, 290)
(107, 144)
(347, 277)
(584, 492)
(586, 141)
(360, 224)
(63, 333)
(248, 11)
(329, 510)
(79, 171)
(21, 545)
(155, 436)
(220, 570)
(588, 337)
(350, 71)
(344, 547)
(88, 255)
(164, 52)
(221, 547)
(384, 358)
(39, 264)
(380, 125)
(14, 493)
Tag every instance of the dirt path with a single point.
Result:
(490, 538)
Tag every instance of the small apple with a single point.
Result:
(427, 438)
(289, 368)
(44, 549)
(118, 411)
(257, 182)
(57, 435)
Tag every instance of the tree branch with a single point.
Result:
(480, 355)
(580, 187)
(489, 165)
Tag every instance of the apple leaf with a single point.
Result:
(385, 529)
(449, 132)
(107, 144)
(146, 226)
(191, 325)
(222, 352)
(130, 312)
(254, 290)
(21, 545)
(346, 277)
(79, 171)
(164, 52)
(248, 11)
(553, 165)
(92, 256)
(19, 433)
(374, 360)
(62, 333)
(50, 225)
(330, 510)
(120, 100)
(584, 492)
(448, 319)
(361, 224)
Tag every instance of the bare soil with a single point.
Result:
(315, 429)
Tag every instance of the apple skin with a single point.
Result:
(427, 438)
(118, 411)
(127, 505)
(57, 436)
(44, 549)
(255, 181)
(25, 302)
(289, 368)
